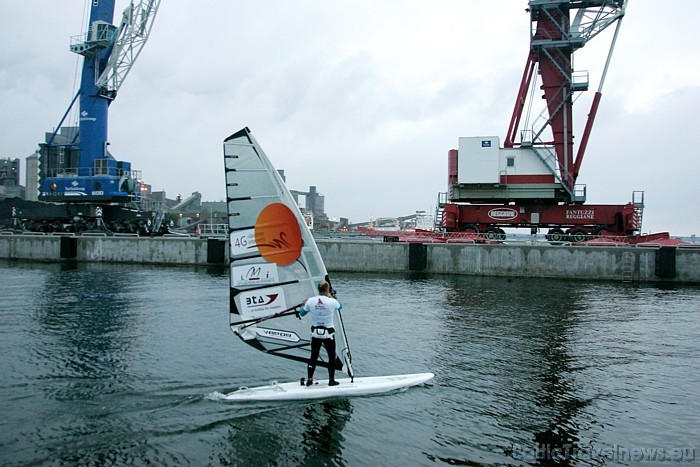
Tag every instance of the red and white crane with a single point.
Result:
(530, 181)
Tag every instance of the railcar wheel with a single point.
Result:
(555, 235)
(579, 235)
(602, 231)
(494, 233)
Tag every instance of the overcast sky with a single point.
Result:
(363, 99)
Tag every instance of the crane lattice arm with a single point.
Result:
(135, 27)
(556, 34)
(589, 21)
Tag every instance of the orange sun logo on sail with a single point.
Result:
(277, 234)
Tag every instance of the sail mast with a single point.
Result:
(275, 264)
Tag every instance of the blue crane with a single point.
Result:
(76, 166)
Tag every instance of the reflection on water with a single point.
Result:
(512, 338)
(85, 333)
(87, 323)
(559, 392)
(110, 364)
(532, 354)
(284, 434)
(323, 437)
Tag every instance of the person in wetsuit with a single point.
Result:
(322, 308)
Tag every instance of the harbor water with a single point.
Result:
(106, 364)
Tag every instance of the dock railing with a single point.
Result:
(212, 230)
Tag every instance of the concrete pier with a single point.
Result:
(141, 250)
(635, 264)
(517, 260)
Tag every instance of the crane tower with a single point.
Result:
(85, 186)
(530, 181)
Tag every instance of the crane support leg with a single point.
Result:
(586, 133)
(520, 102)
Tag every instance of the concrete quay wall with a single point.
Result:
(526, 260)
(141, 250)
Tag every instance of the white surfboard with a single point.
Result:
(361, 386)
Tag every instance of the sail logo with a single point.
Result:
(277, 334)
(503, 214)
(242, 242)
(277, 234)
(254, 274)
(260, 300)
(259, 303)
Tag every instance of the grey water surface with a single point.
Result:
(123, 364)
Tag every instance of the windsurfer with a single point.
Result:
(322, 308)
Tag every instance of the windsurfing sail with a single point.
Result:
(275, 264)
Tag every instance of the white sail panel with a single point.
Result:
(274, 262)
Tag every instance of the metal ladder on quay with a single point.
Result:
(627, 266)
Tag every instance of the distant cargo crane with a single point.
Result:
(531, 180)
(87, 186)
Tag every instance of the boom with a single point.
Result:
(555, 38)
(137, 21)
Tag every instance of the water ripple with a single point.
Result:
(122, 365)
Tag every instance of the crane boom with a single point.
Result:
(555, 38)
(133, 32)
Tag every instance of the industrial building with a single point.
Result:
(9, 179)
